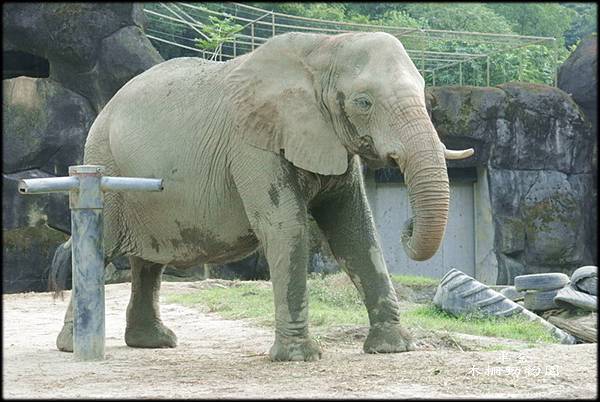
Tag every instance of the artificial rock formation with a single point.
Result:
(90, 50)
(578, 76)
(537, 147)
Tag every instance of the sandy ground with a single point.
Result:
(219, 358)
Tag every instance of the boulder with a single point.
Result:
(27, 255)
(540, 220)
(21, 210)
(125, 54)
(196, 273)
(89, 51)
(539, 149)
(513, 126)
(45, 126)
(92, 48)
(465, 117)
(578, 75)
(541, 128)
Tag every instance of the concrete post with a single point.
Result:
(86, 204)
(86, 185)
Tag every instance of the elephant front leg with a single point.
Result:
(276, 211)
(346, 221)
(287, 255)
(144, 328)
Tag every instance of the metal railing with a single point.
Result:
(258, 25)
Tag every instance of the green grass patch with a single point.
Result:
(414, 280)
(516, 327)
(333, 300)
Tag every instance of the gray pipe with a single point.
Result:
(86, 185)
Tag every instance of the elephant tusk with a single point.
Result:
(465, 153)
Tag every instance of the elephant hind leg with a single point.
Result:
(144, 326)
(64, 341)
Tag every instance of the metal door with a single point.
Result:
(390, 207)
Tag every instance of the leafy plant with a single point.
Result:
(218, 32)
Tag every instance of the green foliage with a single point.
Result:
(399, 18)
(584, 22)
(536, 18)
(218, 32)
(568, 22)
(169, 30)
(334, 300)
(458, 17)
(324, 11)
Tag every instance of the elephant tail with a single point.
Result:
(59, 277)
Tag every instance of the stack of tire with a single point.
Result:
(549, 291)
(540, 290)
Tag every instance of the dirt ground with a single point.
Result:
(219, 358)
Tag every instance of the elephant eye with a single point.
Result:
(363, 103)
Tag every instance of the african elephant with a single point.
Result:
(250, 147)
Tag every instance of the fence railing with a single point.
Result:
(471, 56)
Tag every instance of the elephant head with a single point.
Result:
(320, 99)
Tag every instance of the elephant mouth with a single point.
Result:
(378, 163)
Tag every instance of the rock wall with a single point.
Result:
(92, 49)
(578, 76)
(537, 147)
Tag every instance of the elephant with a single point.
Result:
(248, 149)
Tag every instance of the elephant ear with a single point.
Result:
(276, 106)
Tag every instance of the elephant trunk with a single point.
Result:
(426, 177)
(429, 199)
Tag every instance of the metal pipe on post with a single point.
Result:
(86, 185)
(252, 34)
(460, 73)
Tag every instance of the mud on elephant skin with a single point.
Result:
(248, 149)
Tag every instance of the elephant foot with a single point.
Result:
(388, 338)
(294, 349)
(155, 335)
(64, 341)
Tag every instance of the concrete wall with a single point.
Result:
(390, 207)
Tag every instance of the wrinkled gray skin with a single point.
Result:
(247, 149)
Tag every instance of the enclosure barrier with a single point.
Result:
(257, 25)
(86, 185)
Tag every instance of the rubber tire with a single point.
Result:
(585, 279)
(540, 300)
(570, 298)
(512, 294)
(541, 282)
